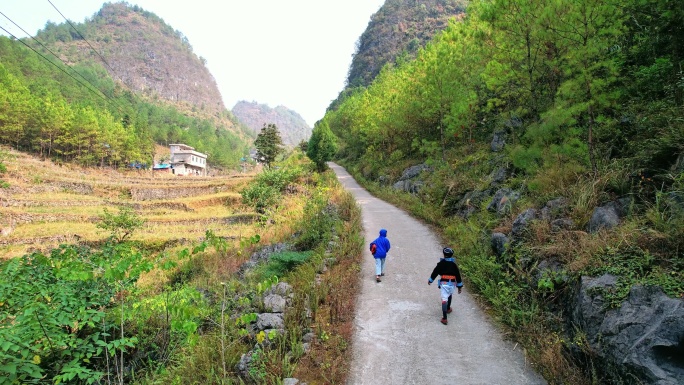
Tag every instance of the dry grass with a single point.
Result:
(47, 204)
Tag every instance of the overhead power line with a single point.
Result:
(83, 37)
(103, 96)
(118, 106)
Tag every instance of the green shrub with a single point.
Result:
(279, 178)
(53, 313)
(122, 225)
(260, 196)
(281, 263)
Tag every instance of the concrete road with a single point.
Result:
(398, 338)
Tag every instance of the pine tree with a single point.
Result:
(269, 144)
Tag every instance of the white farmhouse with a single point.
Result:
(185, 160)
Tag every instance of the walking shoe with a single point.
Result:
(444, 321)
(449, 311)
(377, 278)
(383, 274)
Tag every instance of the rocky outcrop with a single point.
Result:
(643, 338)
(499, 243)
(409, 182)
(263, 255)
(608, 216)
(470, 203)
(503, 201)
(498, 141)
(522, 223)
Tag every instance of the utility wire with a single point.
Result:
(119, 107)
(55, 64)
(83, 37)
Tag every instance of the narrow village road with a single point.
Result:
(398, 338)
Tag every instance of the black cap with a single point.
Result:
(448, 252)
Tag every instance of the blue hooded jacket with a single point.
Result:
(383, 245)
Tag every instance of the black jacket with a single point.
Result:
(448, 270)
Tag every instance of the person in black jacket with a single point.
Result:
(449, 280)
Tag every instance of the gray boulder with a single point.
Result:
(608, 216)
(503, 201)
(675, 202)
(678, 166)
(604, 217)
(498, 176)
(644, 336)
(552, 269)
(499, 243)
(409, 186)
(499, 141)
(263, 255)
(281, 288)
(407, 182)
(470, 203)
(270, 321)
(242, 367)
(290, 381)
(554, 209)
(274, 303)
(562, 224)
(522, 223)
(414, 171)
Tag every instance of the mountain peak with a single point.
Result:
(292, 127)
(143, 52)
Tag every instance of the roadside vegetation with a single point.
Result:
(155, 291)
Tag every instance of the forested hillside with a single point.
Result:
(549, 143)
(292, 127)
(61, 99)
(395, 34)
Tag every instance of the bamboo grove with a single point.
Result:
(579, 84)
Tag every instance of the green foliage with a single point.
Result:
(282, 263)
(322, 145)
(265, 191)
(279, 178)
(3, 169)
(184, 308)
(269, 144)
(317, 222)
(53, 312)
(633, 266)
(121, 225)
(260, 196)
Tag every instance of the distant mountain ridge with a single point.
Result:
(293, 128)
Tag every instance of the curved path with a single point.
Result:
(398, 338)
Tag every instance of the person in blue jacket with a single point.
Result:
(379, 248)
(450, 279)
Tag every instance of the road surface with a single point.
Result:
(398, 338)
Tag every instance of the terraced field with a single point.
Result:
(46, 204)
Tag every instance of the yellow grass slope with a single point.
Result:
(47, 204)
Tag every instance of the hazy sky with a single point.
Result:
(294, 53)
